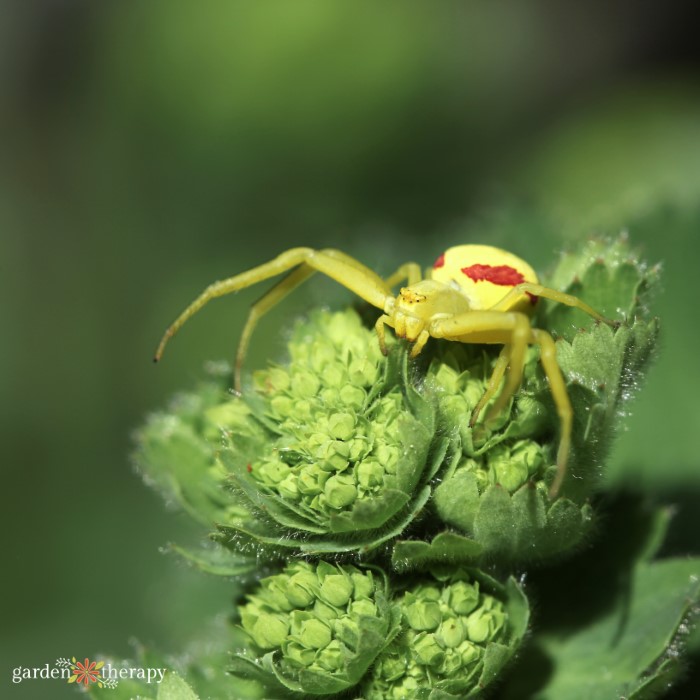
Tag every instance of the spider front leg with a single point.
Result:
(334, 264)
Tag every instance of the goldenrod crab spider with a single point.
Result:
(472, 294)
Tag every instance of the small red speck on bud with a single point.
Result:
(440, 262)
(249, 468)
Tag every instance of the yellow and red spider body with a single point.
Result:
(483, 274)
(472, 294)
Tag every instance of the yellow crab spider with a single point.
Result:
(472, 294)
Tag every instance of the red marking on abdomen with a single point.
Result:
(439, 262)
(503, 275)
(496, 274)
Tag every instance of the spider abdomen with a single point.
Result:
(485, 275)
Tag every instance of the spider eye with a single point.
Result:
(411, 297)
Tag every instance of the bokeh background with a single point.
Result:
(151, 148)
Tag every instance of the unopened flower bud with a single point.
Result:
(341, 426)
(427, 650)
(340, 491)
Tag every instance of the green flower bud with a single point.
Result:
(301, 587)
(426, 592)
(337, 589)
(325, 610)
(463, 597)
(423, 615)
(305, 383)
(333, 376)
(340, 491)
(363, 584)
(311, 480)
(333, 455)
(230, 415)
(272, 472)
(269, 631)
(483, 624)
(364, 606)
(352, 396)
(531, 454)
(329, 397)
(388, 457)
(277, 379)
(452, 632)
(392, 666)
(362, 371)
(282, 406)
(341, 426)
(470, 653)
(427, 650)
(322, 355)
(299, 654)
(331, 658)
(310, 631)
(277, 593)
(359, 447)
(302, 410)
(289, 488)
(370, 474)
(507, 471)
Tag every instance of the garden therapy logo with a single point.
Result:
(87, 673)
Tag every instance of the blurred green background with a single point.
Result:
(151, 148)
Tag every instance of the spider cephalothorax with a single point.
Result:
(472, 294)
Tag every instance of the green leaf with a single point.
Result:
(447, 547)
(174, 688)
(623, 652)
(609, 620)
(216, 560)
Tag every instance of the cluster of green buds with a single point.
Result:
(316, 628)
(342, 451)
(455, 640)
(322, 629)
(495, 487)
(337, 439)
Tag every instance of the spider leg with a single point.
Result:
(409, 271)
(494, 382)
(538, 290)
(520, 338)
(557, 385)
(271, 298)
(511, 329)
(381, 337)
(420, 342)
(334, 264)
